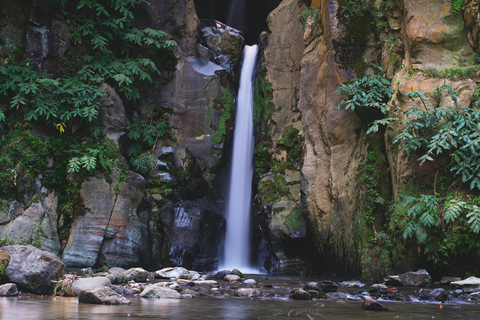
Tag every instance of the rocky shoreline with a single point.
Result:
(28, 270)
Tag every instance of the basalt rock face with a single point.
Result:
(122, 218)
(319, 211)
(33, 221)
(109, 229)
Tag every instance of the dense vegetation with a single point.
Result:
(49, 119)
(441, 216)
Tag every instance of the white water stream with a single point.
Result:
(237, 238)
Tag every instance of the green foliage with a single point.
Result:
(371, 91)
(291, 142)
(143, 136)
(270, 191)
(22, 158)
(295, 219)
(444, 130)
(309, 13)
(443, 226)
(51, 100)
(225, 101)
(457, 5)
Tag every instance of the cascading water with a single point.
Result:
(237, 239)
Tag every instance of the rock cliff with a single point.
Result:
(330, 198)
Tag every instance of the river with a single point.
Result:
(35, 307)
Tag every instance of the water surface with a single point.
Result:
(35, 307)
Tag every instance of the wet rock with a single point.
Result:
(90, 284)
(32, 269)
(136, 274)
(238, 273)
(248, 292)
(468, 285)
(299, 294)
(351, 284)
(393, 281)
(378, 287)
(101, 295)
(326, 286)
(159, 292)
(250, 281)
(438, 294)
(224, 42)
(419, 278)
(37, 218)
(197, 228)
(112, 119)
(8, 290)
(372, 305)
(448, 280)
(219, 274)
(86, 270)
(232, 278)
(169, 273)
(116, 275)
(317, 294)
(109, 230)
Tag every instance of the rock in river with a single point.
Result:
(32, 269)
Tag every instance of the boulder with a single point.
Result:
(299, 294)
(468, 285)
(248, 292)
(159, 292)
(438, 294)
(101, 295)
(378, 287)
(250, 281)
(325, 286)
(219, 274)
(116, 278)
(447, 280)
(238, 273)
(8, 290)
(393, 281)
(232, 278)
(90, 284)
(372, 305)
(351, 284)
(419, 278)
(136, 274)
(169, 273)
(32, 269)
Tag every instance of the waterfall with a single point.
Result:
(236, 15)
(237, 239)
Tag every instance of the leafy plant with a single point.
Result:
(309, 17)
(143, 135)
(445, 130)
(457, 5)
(371, 91)
(443, 227)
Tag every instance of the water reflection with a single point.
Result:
(34, 307)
